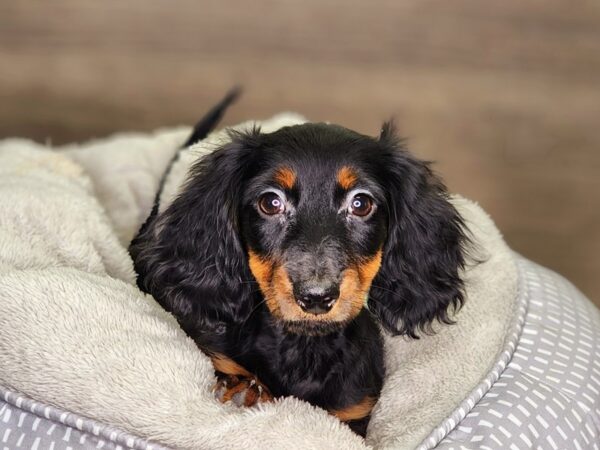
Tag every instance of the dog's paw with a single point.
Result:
(246, 391)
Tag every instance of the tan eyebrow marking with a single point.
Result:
(286, 177)
(346, 177)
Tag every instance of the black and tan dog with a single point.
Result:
(284, 252)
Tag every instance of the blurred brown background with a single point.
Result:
(504, 95)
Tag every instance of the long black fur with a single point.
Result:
(419, 279)
(193, 259)
(202, 128)
(212, 117)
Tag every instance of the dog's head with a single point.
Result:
(324, 220)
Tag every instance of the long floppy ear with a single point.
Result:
(190, 257)
(419, 278)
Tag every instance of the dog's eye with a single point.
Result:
(361, 205)
(270, 203)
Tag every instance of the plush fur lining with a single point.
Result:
(76, 333)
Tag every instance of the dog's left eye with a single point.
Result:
(270, 203)
(361, 205)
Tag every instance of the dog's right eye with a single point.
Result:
(270, 203)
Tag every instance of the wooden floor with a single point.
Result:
(504, 95)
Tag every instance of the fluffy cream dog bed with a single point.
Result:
(84, 350)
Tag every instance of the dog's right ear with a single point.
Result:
(190, 257)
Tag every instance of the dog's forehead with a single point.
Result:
(315, 173)
(317, 143)
(317, 154)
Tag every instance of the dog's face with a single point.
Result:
(324, 220)
(314, 222)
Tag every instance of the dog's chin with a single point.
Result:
(306, 327)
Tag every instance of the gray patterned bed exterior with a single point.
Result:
(27, 424)
(544, 391)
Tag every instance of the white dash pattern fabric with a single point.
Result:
(26, 424)
(548, 396)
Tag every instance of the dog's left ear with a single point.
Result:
(419, 278)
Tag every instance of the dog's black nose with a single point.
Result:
(318, 301)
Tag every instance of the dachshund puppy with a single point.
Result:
(285, 252)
